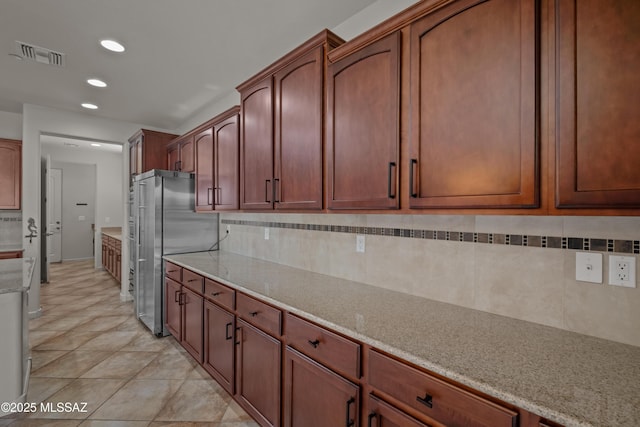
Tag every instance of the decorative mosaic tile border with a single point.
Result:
(576, 243)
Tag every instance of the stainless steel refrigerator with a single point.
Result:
(164, 223)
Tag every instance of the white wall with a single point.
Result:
(370, 17)
(78, 210)
(109, 176)
(10, 125)
(37, 120)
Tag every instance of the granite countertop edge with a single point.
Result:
(523, 402)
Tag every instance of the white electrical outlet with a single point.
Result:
(622, 271)
(360, 243)
(589, 267)
(266, 233)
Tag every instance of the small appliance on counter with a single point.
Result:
(165, 223)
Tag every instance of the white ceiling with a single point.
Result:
(68, 143)
(181, 56)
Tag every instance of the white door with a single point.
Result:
(54, 215)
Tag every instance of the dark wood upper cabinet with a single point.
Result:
(256, 146)
(216, 145)
(473, 106)
(363, 127)
(282, 130)
(203, 142)
(148, 150)
(598, 87)
(299, 133)
(226, 161)
(173, 156)
(10, 173)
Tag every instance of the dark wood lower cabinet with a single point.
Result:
(381, 414)
(315, 396)
(192, 323)
(173, 315)
(219, 327)
(258, 367)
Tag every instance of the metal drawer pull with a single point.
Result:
(215, 294)
(228, 335)
(253, 314)
(314, 343)
(371, 417)
(427, 400)
(172, 271)
(193, 280)
(349, 421)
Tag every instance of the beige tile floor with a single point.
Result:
(89, 347)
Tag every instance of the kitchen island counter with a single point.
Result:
(573, 379)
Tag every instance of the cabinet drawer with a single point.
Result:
(326, 347)
(193, 281)
(220, 294)
(174, 272)
(441, 401)
(259, 314)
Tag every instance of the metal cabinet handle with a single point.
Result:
(238, 336)
(314, 343)
(183, 299)
(193, 280)
(349, 421)
(267, 183)
(171, 271)
(412, 192)
(427, 400)
(391, 190)
(209, 192)
(276, 186)
(253, 313)
(215, 294)
(228, 335)
(177, 297)
(371, 417)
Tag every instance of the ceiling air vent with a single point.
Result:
(40, 54)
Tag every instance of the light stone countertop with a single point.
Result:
(569, 378)
(16, 274)
(11, 247)
(115, 232)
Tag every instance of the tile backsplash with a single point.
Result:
(518, 266)
(11, 228)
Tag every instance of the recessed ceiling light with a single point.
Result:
(96, 83)
(93, 144)
(112, 45)
(90, 106)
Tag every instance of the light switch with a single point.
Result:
(589, 267)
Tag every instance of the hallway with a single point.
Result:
(89, 347)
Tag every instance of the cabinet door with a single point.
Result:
(133, 161)
(258, 374)
(140, 161)
(226, 158)
(381, 414)
(10, 173)
(298, 96)
(192, 323)
(473, 106)
(598, 131)
(219, 326)
(314, 396)
(173, 308)
(363, 132)
(204, 170)
(173, 158)
(256, 147)
(187, 155)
